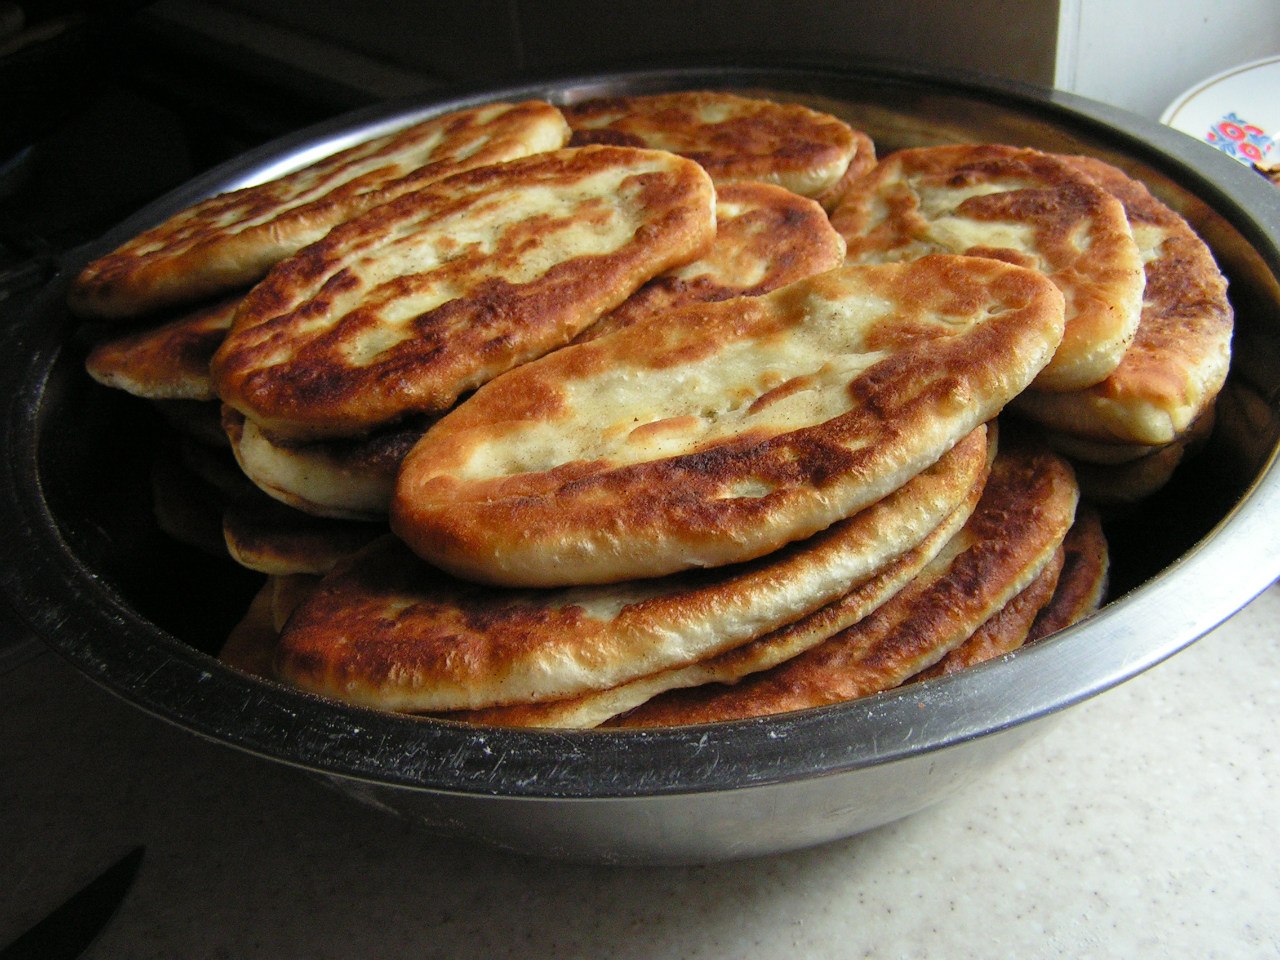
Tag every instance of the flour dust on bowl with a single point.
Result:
(90, 570)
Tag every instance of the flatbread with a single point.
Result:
(341, 479)
(1082, 586)
(232, 239)
(1026, 508)
(1179, 357)
(1070, 588)
(777, 646)
(734, 138)
(1006, 629)
(726, 431)
(398, 312)
(275, 539)
(387, 630)
(766, 237)
(168, 362)
(1018, 205)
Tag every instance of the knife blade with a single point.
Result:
(69, 930)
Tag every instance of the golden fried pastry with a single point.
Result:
(232, 239)
(1070, 588)
(1082, 585)
(1179, 357)
(777, 646)
(726, 431)
(1004, 630)
(275, 539)
(1026, 508)
(397, 312)
(342, 479)
(1018, 205)
(766, 237)
(168, 362)
(388, 630)
(734, 138)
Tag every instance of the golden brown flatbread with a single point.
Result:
(1070, 588)
(168, 362)
(777, 646)
(1004, 630)
(397, 312)
(1179, 357)
(1026, 508)
(726, 431)
(275, 539)
(734, 138)
(387, 630)
(766, 237)
(250, 646)
(1018, 205)
(342, 479)
(1082, 585)
(231, 240)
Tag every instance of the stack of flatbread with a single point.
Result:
(1149, 326)
(658, 410)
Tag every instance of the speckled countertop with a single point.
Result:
(1141, 824)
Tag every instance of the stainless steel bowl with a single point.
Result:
(85, 565)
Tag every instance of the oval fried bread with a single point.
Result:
(766, 237)
(231, 240)
(1082, 585)
(1027, 506)
(401, 310)
(1179, 357)
(768, 650)
(1006, 629)
(732, 137)
(168, 362)
(1070, 588)
(725, 431)
(274, 539)
(387, 630)
(338, 479)
(1018, 205)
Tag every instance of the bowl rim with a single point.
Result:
(86, 621)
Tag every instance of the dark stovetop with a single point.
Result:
(112, 112)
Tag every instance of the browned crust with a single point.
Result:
(1083, 584)
(168, 362)
(758, 139)
(310, 389)
(1026, 509)
(1179, 357)
(386, 629)
(774, 647)
(275, 539)
(779, 238)
(864, 158)
(880, 215)
(193, 255)
(336, 479)
(1005, 630)
(677, 506)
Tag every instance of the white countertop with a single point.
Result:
(1141, 824)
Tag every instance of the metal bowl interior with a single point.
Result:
(85, 564)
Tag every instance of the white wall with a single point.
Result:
(1140, 54)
